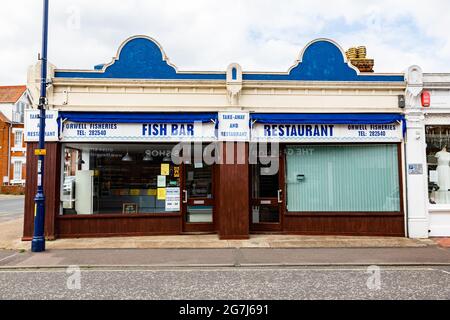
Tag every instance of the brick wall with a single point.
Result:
(4, 129)
(12, 190)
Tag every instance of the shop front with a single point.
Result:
(341, 175)
(138, 165)
(136, 147)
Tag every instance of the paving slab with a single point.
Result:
(351, 256)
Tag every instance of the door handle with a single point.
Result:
(185, 198)
(279, 196)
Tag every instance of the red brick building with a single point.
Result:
(14, 100)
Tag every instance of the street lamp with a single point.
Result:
(38, 242)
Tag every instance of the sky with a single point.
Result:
(208, 35)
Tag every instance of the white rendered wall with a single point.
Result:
(416, 183)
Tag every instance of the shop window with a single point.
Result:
(342, 178)
(119, 179)
(438, 161)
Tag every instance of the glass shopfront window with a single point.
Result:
(342, 178)
(438, 162)
(119, 179)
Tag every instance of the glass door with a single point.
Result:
(198, 198)
(267, 200)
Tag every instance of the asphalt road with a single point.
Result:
(229, 283)
(11, 208)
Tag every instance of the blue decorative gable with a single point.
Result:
(142, 58)
(139, 58)
(322, 60)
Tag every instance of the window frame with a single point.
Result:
(19, 165)
(160, 214)
(433, 123)
(399, 213)
(18, 134)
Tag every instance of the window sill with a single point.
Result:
(343, 214)
(16, 182)
(439, 208)
(119, 216)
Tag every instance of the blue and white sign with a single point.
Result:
(234, 126)
(138, 132)
(32, 122)
(327, 133)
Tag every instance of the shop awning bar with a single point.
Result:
(326, 118)
(137, 117)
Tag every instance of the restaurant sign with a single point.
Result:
(327, 132)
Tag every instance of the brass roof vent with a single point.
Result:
(358, 57)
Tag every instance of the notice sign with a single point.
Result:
(161, 182)
(327, 132)
(176, 172)
(165, 169)
(161, 194)
(32, 122)
(415, 169)
(172, 199)
(234, 126)
(130, 208)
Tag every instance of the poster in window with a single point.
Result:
(161, 193)
(130, 208)
(165, 169)
(162, 181)
(172, 199)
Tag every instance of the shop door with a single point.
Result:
(198, 198)
(267, 200)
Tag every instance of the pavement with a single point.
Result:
(200, 250)
(203, 267)
(11, 234)
(11, 207)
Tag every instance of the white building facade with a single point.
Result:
(428, 159)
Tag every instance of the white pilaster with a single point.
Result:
(416, 164)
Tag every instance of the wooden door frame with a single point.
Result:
(271, 227)
(197, 227)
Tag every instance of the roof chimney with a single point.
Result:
(358, 57)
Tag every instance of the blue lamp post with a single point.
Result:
(38, 242)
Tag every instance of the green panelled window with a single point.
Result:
(342, 178)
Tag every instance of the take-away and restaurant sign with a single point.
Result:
(224, 126)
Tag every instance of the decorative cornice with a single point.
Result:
(141, 57)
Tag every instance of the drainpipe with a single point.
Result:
(9, 152)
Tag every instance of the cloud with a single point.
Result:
(210, 34)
